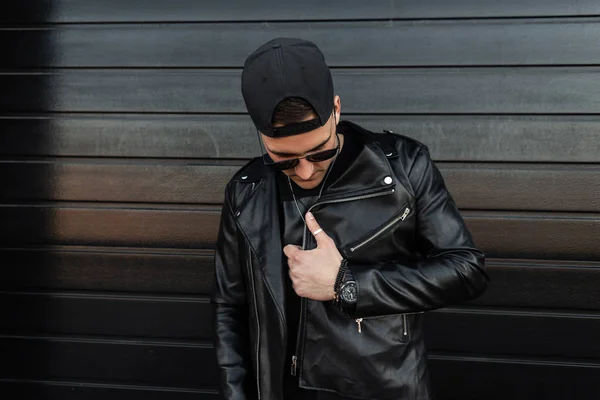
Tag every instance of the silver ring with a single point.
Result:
(315, 233)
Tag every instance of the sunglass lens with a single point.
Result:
(322, 156)
(283, 165)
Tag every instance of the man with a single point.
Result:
(331, 246)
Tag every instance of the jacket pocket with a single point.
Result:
(379, 362)
(366, 322)
(388, 226)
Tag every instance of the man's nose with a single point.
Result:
(304, 169)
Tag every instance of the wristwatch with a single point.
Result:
(349, 292)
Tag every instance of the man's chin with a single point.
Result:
(307, 184)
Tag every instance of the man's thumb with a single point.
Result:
(320, 236)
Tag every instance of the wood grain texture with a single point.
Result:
(528, 332)
(72, 11)
(499, 234)
(521, 331)
(109, 314)
(456, 377)
(510, 138)
(536, 235)
(477, 186)
(70, 390)
(542, 90)
(514, 283)
(155, 364)
(542, 284)
(132, 362)
(368, 44)
(111, 226)
(108, 269)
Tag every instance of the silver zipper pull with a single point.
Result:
(406, 212)
(294, 365)
(358, 321)
(405, 330)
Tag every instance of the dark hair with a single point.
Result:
(292, 110)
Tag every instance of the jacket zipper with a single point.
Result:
(294, 367)
(404, 323)
(363, 197)
(383, 229)
(251, 275)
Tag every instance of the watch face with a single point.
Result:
(348, 292)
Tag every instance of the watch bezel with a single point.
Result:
(345, 286)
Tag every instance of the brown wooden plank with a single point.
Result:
(499, 234)
(389, 91)
(71, 11)
(133, 362)
(108, 314)
(521, 331)
(450, 138)
(536, 235)
(524, 186)
(109, 226)
(370, 44)
(110, 269)
(474, 186)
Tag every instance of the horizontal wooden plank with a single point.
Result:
(499, 234)
(469, 330)
(73, 390)
(450, 138)
(536, 235)
(106, 314)
(474, 186)
(70, 11)
(131, 362)
(192, 366)
(514, 283)
(121, 181)
(542, 284)
(512, 378)
(111, 226)
(524, 187)
(369, 44)
(542, 90)
(523, 332)
(109, 269)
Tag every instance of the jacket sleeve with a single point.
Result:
(450, 269)
(230, 316)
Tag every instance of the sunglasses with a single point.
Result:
(319, 156)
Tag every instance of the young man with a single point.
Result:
(331, 246)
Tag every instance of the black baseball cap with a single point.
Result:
(283, 68)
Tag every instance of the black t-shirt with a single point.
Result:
(292, 234)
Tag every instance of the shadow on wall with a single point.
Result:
(26, 215)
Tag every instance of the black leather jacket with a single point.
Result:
(408, 248)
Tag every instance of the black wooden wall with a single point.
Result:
(121, 121)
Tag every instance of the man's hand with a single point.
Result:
(313, 272)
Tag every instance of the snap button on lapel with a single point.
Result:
(387, 180)
(245, 177)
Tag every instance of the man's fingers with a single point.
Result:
(320, 236)
(291, 250)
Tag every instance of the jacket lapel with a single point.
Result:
(259, 221)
